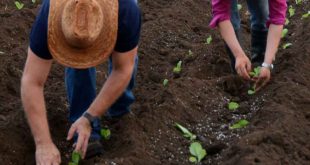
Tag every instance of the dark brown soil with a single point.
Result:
(279, 130)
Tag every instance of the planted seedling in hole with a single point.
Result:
(190, 53)
(233, 106)
(239, 6)
(291, 10)
(197, 152)
(19, 5)
(287, 21)
(255, 72)
(284, 32)
(177, 69)
(75, 158)
(239, 124)
(304, 16)
(287, 45)
(165, 82)
(105, 133)
(298, 2)
(186, 132)
(209, 40)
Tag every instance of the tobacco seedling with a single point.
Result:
(105, 133)
(251, 91)
(255, 72)
(177, 69)
(209, 40)
(304, 16)
(165, 82)
(75, 158)
(19, 5)
(186, 133)
(298, 2)
(197, 152)
(291, 10)
(239, 124)
(239, 7)
(33, 1)
(285, 46)
(190, 53)
(284, 32)
(287, 21)
(233, 106)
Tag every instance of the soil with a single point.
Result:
(279, 115)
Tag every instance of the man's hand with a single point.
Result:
(262, 79)
(243, 66)
(47, 154)
(83, 129)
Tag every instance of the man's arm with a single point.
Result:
(35, 74)
(243, 64)
(118, 80)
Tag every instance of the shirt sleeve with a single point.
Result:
(277, 10)
(129, 26)
(38, 34)
(220, 11)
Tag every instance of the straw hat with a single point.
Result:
(82, 33)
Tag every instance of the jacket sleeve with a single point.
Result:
(220, 11)
(277, 12)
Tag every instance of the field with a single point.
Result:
(279, 115)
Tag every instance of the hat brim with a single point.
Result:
(95, 54)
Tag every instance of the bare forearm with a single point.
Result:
(273, 40)
(33, 102)
(111, 91)
(229, 36)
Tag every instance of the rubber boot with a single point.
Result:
(231, 55)
(258, 46)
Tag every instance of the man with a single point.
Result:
(267, 20)
(81, 34)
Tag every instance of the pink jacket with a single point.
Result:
(221, 12)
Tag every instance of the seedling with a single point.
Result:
(285, 46)
(304, 16)
(209, 40)
(239, 124)
(186, 133)
(298, 2)
(251, 91)
(190, 53)
(177, 69)
(233, 106)
(165, 82)
(239, 7)
(291, 10)
(284, 32)
(197, 152)
(255, 72)
(75, 158)
(19, 5)
(33, 1)
(105, 133)
(287, 21)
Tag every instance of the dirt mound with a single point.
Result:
(279, 116)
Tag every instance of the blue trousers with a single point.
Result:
(259, 10)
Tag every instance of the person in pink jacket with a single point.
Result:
(267, 20)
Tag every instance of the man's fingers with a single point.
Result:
(259, 83)
(80, 142)
(71, 132)
(84, 148)
(246, 74)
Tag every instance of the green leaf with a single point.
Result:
(298, 2)
(19, 5)
(193, 159)
(251, 92)
(197, 151)
(233, 106)
(305, 15)
(105, 133)
(257, 71)
(287, 45)
(190, 53)
(239, 6)
(33, 1)
(284, 32)
(186, 132)
(240, 124)
(287, 21)
(178, 68)
(76, 157)
(72, 163)
(165, 82)
(291, 10)
(209, 40)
